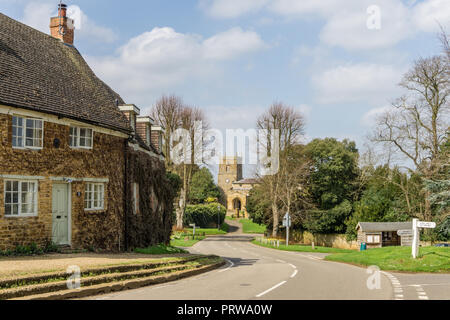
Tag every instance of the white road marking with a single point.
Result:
(271, 289)
(292, 266)
(421, 294)
(280, 261)
(427, 285)
(294, 274)
(231, 266)
(398, 290)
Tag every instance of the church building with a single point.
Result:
(235, 188)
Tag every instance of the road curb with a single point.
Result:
(36, 278)
(122, 285)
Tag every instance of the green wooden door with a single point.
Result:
(60, 211)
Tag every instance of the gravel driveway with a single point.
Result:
(19, 266)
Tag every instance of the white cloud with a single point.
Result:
(369, 119)
(37, 14)
(231, 43)
(429, 14)
(345, 23)
(235, 117)
(88, 29)
(162, 58)
(369, 83)
(305, 7)
(348, 29)
(305, 110)
(225, 9)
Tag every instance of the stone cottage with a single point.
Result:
(383, 234)
(77, 164)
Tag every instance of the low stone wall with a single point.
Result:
(323, 240)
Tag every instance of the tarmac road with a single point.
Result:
(257, 273)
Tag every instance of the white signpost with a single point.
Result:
(416, 234)
(403, 233)
(287, 223)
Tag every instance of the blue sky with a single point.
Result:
(233, 58)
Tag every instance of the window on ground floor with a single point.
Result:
(94, 196)
(20, 198)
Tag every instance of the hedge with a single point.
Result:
(204, 215)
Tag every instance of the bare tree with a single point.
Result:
(194, 125)
(418, 122)
(294, 176)
(167, 113)
(290, 124)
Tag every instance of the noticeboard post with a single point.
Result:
(287, 222)
(193, 232)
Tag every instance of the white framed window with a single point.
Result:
(27, 133)
(20, 198)
(135, 198)
(94, 196)
(372, 238)
(81, 138)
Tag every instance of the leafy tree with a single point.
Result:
(381, 201)
(175, 182)
(259, 206)
(439, 198)
(329, 221)
(203, 187)
(332, 184)
(334, 169)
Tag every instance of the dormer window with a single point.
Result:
(27, 133)
(81, 138)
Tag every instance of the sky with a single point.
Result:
(338, 62)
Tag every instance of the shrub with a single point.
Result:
(31, 249)
(204, 215)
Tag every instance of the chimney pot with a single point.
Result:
(61, 27)
(62, 10)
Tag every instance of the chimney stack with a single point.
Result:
(62, 27)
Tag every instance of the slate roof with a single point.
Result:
(384, 226)
(40, 73)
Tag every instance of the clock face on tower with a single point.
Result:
(227, 181)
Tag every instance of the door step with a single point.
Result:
(66, 249)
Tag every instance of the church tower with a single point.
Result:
(230, 170)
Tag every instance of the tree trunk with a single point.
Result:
(180, 210)
(276, 220)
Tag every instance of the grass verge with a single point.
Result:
(248, 226)
(160, 249)
(211, 231)
(303, 248)
(185, 243)
(431, 259)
